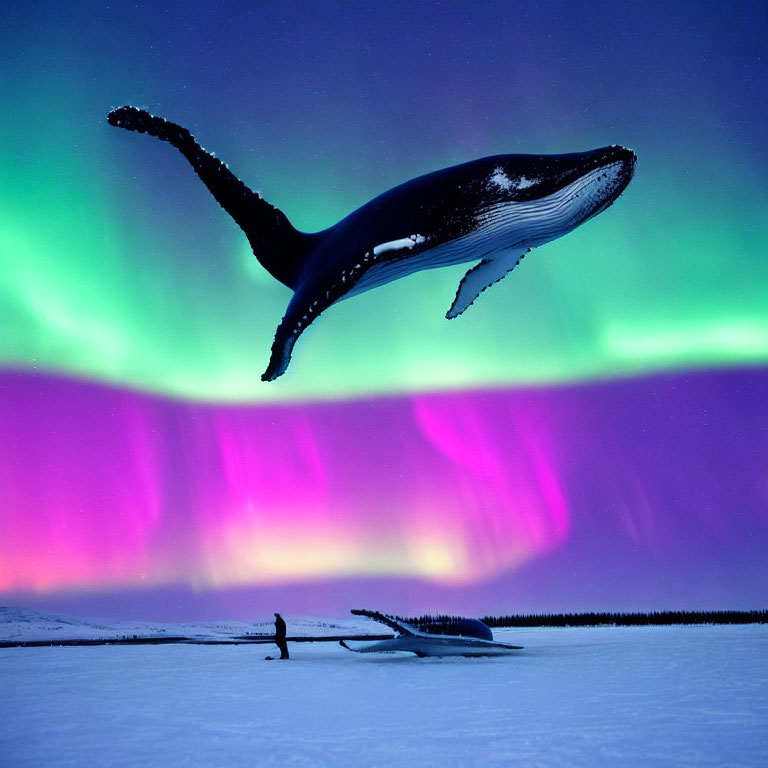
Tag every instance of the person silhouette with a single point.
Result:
(280, 633)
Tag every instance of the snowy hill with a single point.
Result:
(21, 624)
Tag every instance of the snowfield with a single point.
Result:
(650, 696)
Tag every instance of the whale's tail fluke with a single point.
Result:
(276, 244)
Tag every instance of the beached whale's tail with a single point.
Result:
(276, 244)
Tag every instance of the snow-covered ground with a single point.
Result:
(650, 696)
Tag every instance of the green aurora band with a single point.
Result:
(118, 267)
(82, 296)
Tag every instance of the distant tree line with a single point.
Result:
(442, 624)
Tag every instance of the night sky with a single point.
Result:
(592, 434)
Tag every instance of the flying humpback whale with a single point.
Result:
(491, 211)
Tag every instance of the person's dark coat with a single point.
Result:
(280, 634)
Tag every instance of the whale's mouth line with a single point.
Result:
(533, 222)
(604, 181)
(617, 175)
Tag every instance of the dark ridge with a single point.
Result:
(443, 623)
(139, 640)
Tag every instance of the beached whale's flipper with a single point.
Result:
(276, 244)
(399, 626)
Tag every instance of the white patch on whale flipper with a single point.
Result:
(482, 276)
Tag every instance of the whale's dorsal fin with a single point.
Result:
(482, 276)
(279, 247)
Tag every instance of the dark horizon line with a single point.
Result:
(606, 618)
(440, 624)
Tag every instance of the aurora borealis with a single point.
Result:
(593, 434)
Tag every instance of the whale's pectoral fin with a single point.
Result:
(287, 334)
(280, 355)
(482, 276)
(399, 626)
(303, 309)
